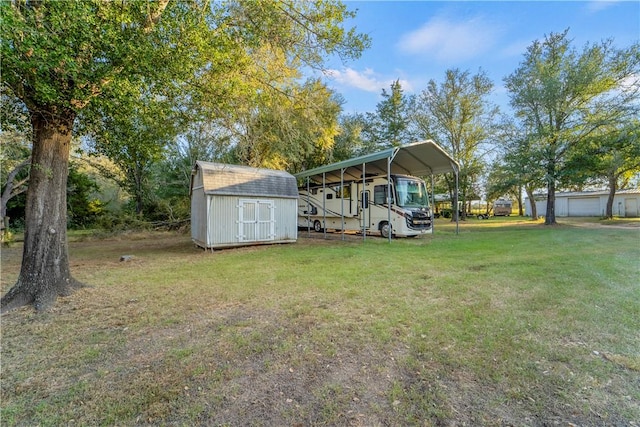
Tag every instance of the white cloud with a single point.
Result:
(630, 84)
(598, 5)
(516, 48)
(447, 40)
(366, 80)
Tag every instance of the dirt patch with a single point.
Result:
(601, 224)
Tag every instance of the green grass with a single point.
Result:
(508, 322)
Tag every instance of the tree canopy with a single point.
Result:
(456, 113)
(390, 124)
(563, 96)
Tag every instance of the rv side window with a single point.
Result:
(346, 192)
(329, 196)
(380, 194)
(342, 191)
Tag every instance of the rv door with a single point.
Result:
(364, 210)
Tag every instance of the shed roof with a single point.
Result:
(594, 193)
(418, 159)
(235, 180)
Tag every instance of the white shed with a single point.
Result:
(626, 203)
(238, 205)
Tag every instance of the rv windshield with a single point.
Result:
(411, 193)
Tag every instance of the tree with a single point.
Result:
(610, 156)
(65, 58)
(519, 165)
(618, 160)
(13, 186)
(564, 96)
(205, 141)
(500, 181)
(389, 125)
(349, 142)
(291, 129)
(15, 134)
(82, 210)
(56, 75)
(15, 174)
(457, 114)
(133, 133)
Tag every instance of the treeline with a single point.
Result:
(574, 122)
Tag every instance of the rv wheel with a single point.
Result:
(385, 229)
(317, 226)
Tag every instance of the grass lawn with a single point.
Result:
(510, 322)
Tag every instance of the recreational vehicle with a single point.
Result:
(358, 206)
(502, 207)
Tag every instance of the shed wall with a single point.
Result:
(223, 222)
(586, 206)
(198, 218)
(198, 212)
(624, 205)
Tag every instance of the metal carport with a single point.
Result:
(425, 158)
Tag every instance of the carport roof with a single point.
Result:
(417, 159)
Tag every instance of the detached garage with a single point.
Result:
(626, 203)
(238, 205)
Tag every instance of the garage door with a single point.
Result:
(584, 206)
(631, 208)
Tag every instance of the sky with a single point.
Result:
(417, 41)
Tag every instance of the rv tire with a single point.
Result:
(385, 229)
(317, 226)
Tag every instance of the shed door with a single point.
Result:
(256, 220)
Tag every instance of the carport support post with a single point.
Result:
(389, 197)
(342, 200)
(433, 205)
(324, 205)
(308, 208)
(456, 201)
(364, 214)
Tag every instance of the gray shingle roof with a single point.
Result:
(235, 180)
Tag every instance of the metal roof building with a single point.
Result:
(626, 203)
(420, 159)
(424, 158)
(235, 205)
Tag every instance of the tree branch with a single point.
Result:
(8, 192)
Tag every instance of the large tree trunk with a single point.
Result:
(532, 202)
(550, 215)
(612, 194)
(519, 198)
(45, 273)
